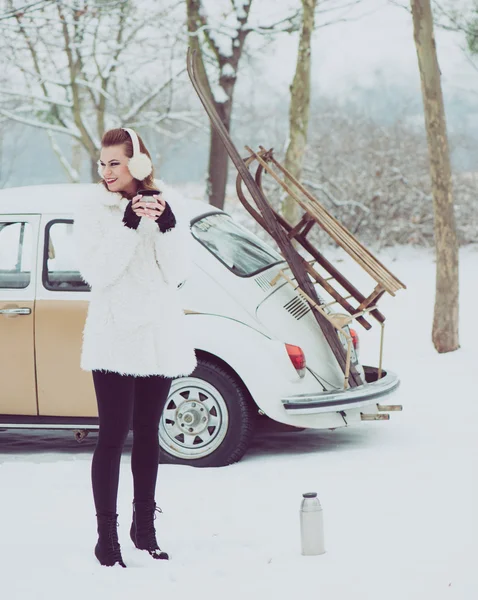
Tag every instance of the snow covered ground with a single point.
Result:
(399, 497)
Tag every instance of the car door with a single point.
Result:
(18, 245)
(61, 305)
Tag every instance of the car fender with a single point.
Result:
(260, 361)
(264, 367)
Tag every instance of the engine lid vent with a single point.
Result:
(297, 307)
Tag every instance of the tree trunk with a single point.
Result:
(218, 157)
(193, 8)
(218, 160)
(76, 158)
(217, 169)
(94, 169)
(445, 320)
(299, 107)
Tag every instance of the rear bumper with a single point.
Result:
(338, 400)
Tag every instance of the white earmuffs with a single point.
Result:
(139, 164)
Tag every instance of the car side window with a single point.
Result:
(60, 272)
(15, 254)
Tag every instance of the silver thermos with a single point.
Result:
(311, 525)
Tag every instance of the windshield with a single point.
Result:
(240, 250)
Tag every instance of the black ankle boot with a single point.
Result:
(107, 549)
(142, 530)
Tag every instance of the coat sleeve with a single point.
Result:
(104, 248)
(174, 247)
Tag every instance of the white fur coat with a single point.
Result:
(135, 323)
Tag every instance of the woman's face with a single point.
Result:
(114, 168)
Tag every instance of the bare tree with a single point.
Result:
(23, 8)
(314, 15)
(372, 176)
(218, 32)
(299, 106)
(226, 56)
(445, 321)
(81, 67)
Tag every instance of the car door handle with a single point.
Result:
(15, 311)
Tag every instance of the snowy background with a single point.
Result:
(367, 61)
(399, 497)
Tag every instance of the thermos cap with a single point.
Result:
(310, 495)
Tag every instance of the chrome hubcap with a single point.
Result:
(193, 417)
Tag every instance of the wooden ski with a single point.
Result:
(293, 258)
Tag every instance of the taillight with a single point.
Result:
(297, 358)
(355, 339)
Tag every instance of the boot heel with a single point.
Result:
(108, 549)
(142, 531)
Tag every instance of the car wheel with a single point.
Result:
(208, 419)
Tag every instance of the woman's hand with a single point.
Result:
(151, 210)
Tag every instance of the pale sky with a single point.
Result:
(382, 40)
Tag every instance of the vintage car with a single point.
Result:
(260, 351)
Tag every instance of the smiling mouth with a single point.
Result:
(110, 180)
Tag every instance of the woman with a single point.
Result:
(133, 254)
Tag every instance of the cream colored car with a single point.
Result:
(260, 350)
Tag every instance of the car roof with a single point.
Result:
(64, 198)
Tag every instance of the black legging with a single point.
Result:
(119, 398)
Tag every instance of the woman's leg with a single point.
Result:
(151, 394)
(115, 397)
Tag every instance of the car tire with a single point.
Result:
(208, 419)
